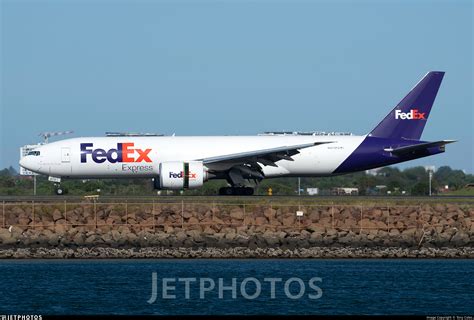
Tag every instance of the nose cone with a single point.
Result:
(24, 162)
(28, 163)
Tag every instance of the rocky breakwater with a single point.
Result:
(91, 230)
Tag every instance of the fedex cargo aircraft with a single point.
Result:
(243, 161)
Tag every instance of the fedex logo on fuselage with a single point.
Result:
(125, 152)
(412, 115)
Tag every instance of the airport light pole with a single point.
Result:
(299, 186)
(430, 170)
(430, 173)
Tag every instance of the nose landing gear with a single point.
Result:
(57, 185)
(59, 190)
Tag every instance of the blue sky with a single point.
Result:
(229, 67)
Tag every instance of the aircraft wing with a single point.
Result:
(418, 147)
(267, 157)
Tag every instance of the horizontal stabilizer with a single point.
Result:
(418, 147)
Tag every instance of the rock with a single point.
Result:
(91, 240)
(78, 239)
(350, 223)
(269, 213)
(208, 230)
(24, 221)
(368, 224)
(381, 225)
(6, 237)
(377, 213)
(261, 221)
(230, 236)
(316, 236)
(187, 214)
(289, 221)
(181, 236)
(237, 214)
(394, 232)
(213, 231)
(271, 238)
(216, 220)
(219, 236)
(315, 215)
(316, 228)
(116, 235)
(409, 232)
(60, 222)
(132, 239)
(15, 231)
(60, 228)
(382, 234)
(193, 220)
(347, 239)
(57, 215)
(460, 238)
(304, 234)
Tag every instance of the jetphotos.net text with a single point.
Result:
(236, 288)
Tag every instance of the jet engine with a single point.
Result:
(180, 175)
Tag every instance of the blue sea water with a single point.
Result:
(346, 287)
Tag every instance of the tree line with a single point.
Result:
(410, 181)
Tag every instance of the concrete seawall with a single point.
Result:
(127, 230)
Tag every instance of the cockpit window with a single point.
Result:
(34, 153)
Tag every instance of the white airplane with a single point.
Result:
(187, 162)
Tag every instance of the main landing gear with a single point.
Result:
(236, 191)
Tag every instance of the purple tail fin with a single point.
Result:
(409, 117)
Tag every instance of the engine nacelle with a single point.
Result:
(181, 175)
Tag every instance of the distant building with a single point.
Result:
(312, 191)
(373, 172)
(345, 191)
(443, 189)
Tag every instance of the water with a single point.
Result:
(347, 286)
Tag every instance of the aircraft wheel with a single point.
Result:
(59, 191)
(248, 191)
(226, 191)
(238, 191)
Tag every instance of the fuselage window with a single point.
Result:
(34, 153)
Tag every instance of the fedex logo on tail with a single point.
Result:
(414, 114)
(125, 152)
